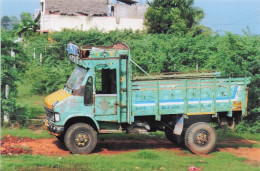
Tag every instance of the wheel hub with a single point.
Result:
(81, 139)
(201, 137)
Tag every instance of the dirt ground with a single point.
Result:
(49, 147)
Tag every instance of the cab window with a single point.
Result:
(106, 81)
(88, 95)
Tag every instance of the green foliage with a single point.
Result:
(33, 103)
(249, 126)
(28, 23)
(50, 74)
(47, 78)
(174, 16)
(11, 69)
(234, 55)
(10, 22)
(5, 22)
(233, 134)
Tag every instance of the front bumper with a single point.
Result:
(53, 129)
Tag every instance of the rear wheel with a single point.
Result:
(80, 138)
(200, 138)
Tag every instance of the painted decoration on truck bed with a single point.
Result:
(187, 96)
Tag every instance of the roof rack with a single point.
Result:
(94, 52)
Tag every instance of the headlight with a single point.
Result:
(57, 117)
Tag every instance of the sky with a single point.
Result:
(220, 15)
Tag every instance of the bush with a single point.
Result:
(234, 55)
(46, 79)
(251, 127)
(11, 70)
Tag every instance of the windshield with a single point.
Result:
(76, 78)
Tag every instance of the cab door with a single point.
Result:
(106, 92)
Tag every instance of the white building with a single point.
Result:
(88, 14)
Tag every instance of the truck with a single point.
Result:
(103, 96)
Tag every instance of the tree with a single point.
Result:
(5, 21)
(14, 19)
(28, 23)
(15, 22)
(10, 75)
(174, 16)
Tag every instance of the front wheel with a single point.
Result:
(200, 138)
(80, 138)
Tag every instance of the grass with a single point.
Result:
(229, 134)
(24, 132)
(140, 160)
(34, 105)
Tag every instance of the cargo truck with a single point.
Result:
(103, 96)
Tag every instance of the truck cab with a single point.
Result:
(95, 93)
(102, 96)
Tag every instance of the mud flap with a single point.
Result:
(178, 125)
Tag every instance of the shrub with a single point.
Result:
(46, 79)
(11, 69)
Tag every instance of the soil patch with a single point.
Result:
(252, 154)
(248, 151)
(116, 146)
(10, 145)
(52, 146)
(49, 147)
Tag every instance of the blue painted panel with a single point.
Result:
(172, 97)
(72, 49)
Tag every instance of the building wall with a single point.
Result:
(59, 22)
(133, 11)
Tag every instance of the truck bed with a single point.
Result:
(190, 96)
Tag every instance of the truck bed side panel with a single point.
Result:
(196, 96)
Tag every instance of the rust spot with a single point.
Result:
(115, 107)
(79, 92)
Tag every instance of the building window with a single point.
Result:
(42, 7)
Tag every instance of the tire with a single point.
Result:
(80, 138)
(175, 139)
(200, 138)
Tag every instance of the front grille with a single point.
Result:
(50, 114)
